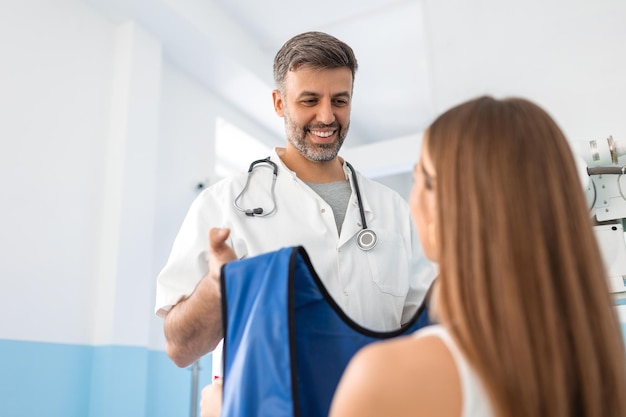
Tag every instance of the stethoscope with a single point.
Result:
(366, 239)
(259, 210)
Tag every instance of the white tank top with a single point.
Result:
(475, 401)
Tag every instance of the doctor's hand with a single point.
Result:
(211, 402)
(219, 252)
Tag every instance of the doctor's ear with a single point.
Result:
(279, 105)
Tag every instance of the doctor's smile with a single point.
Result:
(323, 135)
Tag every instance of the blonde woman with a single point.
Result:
(526, 323)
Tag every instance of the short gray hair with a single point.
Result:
(313, 50)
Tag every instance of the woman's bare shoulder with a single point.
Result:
(403, 376)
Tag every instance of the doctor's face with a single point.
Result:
(315, 105)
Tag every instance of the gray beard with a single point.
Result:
(313, 152)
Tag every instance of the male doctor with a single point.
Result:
(317, 201)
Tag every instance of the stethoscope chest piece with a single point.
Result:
(366, 239)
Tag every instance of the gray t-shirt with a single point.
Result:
(336, 194)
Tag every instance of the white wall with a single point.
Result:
(54, 96)
(567, 55)
(103, 142)
(78, 159)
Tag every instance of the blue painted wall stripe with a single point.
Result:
(44, 379)
(60, 380)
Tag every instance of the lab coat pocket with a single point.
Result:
(389, 264)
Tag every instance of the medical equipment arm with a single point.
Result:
(602, 171)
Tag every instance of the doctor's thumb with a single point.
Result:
(218, 236)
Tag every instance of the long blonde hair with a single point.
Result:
(522, 282)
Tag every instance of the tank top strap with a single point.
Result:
(475, 400)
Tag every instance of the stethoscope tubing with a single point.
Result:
(258, 211)
(366, 239)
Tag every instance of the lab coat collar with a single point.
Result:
(353, 216)
(282, 168)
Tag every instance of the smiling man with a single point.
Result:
(316, 107)
(358, 233)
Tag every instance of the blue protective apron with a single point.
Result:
(286, 342)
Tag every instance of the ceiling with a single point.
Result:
(416, 57)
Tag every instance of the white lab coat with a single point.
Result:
(379, 289)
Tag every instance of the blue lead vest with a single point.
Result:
(286, 341)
